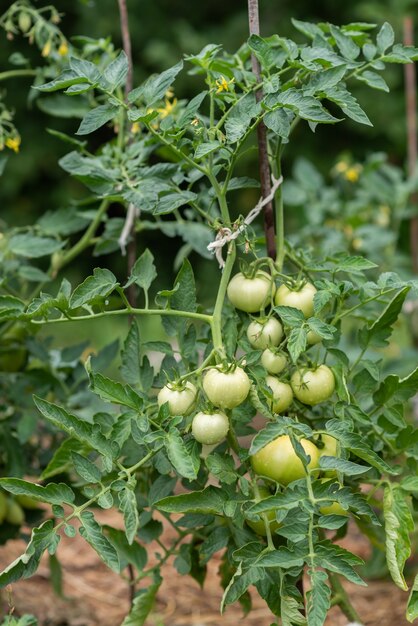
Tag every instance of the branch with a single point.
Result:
(126, 41)
(411, 125)
(264, 168)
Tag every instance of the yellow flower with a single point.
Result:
(195, 122)
(13, 143)
(341, 167)
(169, 93)
(223, 84)
(46, 49)
(135, 128)
(168, 107)
(352, 174)
(63, 49)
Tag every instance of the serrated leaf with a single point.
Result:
(75, 426)
(385, 38)
(373, 80)
(263, 437)
(179, 455)
(100, 285)
(113, 391)
(341, 465)
(223, 468)
(54, 493)
(129, 508)
(296, 342)
(32, 246)
(155, 87)
(348, 104)
(412, 607)
(86, 469)
(131, 356)
(318, 598)
(381, 329)
(142, 604)
(62, 458)
(208, 501)
(290, 316)
(92, 532)
(399, 524)
(143, 272)
(96, 118)
(116, 71)
(172, 201)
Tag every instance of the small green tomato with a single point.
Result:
(180, 400)
(282, 394)
(226, 389)
(301, 299)
(312, 386)
(210, 428)
(251, 294)
(274, 362)
(279, 461)
(264, 334)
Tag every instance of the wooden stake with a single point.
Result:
(411, 124)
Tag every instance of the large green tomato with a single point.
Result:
(278, 460)
(312, 386)
(264, 334)
(180, 399)
(274, 362)
(301, 299)
(251, 294)
(27, 502)
(312, 338)
(259, 526)
(210, 428)
(226, 389)
(282, 394)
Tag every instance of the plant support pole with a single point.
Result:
(411, 125)
(127, 46)
(264, 168)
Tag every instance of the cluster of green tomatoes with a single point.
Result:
(227, 385)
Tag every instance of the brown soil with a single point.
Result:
(96, 596)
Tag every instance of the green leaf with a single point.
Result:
(10, 307)
(155, 87)
(296, 342)
(172, 201)
(191, 109)
(96, 118)
(279, 122)
(283, 557)
(116, 72)
(318, 598)
(393, 389)
(92, 532)
(112, 391)
(33, 247)
(75, 426)
(208, 501)
(399, 524)
(381, 329)
(179, 456)
(216, 540)
(346, 45)
(326, 331)
(291, 611)
(240, 117)
(223, 468)
(271, 431)
(341, 465)
(325, 79)
(336, 559)
(85, 468)
(348, 104)
(385, 38)
(307, 107)
(85, 69)
(373, 80)
(131, 356)
(290, 316)
(206, 148)
(66, 79)
(412, 607)
(134, 554)
(129, 508)
(62, 458)
(239, 584)
(143, 272)
(142, 604)
(54, 493)
(100, 285)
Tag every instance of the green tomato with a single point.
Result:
(251, 294)
(282, 394)
(278, 460)
(301, 299)
(14, 514)
(264, 334)
(226, 389)
(312, 338)
(180, 399)
(273, 362)
(312, 386)
(27, 502)
(259, 526)
(210, 428)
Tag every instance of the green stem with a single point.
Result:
(339, 316)
(221, 195)
(131, 311)
(182, 155)
(17, 73)
(279, 219)
(216, 320)
(342, 599)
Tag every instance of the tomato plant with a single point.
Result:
(78, 434)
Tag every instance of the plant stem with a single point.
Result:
(411, 127)
(280, 250)
(17, 73)
(216, 320)
(208, 319)
(264, 168)
(342, 599)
